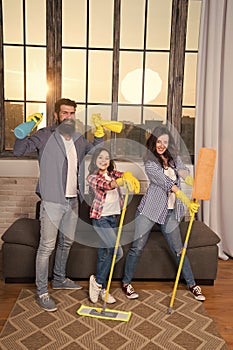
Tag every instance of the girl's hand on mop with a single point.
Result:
(129, 181)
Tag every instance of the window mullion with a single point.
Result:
(54, 54)
(115, 68)
(176, 62)
(2, 120)
(144, 61)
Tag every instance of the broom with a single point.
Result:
(201, 191)
(103, 313)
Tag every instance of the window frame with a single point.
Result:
(54, 63)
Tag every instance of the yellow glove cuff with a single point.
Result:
(189, 180)
(183, 198)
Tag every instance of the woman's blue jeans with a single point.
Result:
(58, 223)
(171, 232)
(106, 227)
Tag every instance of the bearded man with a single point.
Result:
(61, 151)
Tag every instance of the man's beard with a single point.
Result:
(67, 127)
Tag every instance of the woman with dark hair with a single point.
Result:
(163, 204)
(104, 182)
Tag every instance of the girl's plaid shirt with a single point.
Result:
(100, 186)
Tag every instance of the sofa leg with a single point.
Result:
(22, 280)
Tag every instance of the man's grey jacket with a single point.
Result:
(48, 144)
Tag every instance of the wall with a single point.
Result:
(18, 180)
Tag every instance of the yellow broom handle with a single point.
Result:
(117, 243)
(181, 262)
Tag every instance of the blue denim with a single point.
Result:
(171, 232)
(107, 231)
(58, 223)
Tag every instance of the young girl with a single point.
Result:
(163, 204)
(105, 208)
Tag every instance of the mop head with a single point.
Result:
(106, 314)
(204, 174)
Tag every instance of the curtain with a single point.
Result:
(214, 115)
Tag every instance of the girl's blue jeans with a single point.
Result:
(58, 223)
(171, 232)
(106, 227)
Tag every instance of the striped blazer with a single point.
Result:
(154, 203)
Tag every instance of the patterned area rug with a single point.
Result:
(150, 326)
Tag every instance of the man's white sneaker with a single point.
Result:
(94, 289)
(110, 300)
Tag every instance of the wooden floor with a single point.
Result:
(219, 298)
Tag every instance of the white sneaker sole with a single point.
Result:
(202, 298)
(111, 300)
(132, 297)
(70, 288)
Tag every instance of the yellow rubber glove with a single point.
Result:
(189, 180)
(120, 181)
(184, 173)
(132, 180)
(99, 131)
(112, 125)
(96, 120)
(133, 184)
(191, 205)
(126, 184)
(36, 117)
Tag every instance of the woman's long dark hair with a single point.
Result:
(171, 152)
(93, 169)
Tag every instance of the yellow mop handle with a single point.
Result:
(201, 191)
(116, 246)
(181, 263)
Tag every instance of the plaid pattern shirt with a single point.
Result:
(101, 186)
(154, 203)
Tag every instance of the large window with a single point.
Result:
(131, 60)
(24, 62)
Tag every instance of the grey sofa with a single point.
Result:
(20, 242)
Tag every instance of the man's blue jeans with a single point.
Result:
(106, 229)
(171, 232)
(58, 223)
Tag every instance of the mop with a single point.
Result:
(201, 191)
(103, 313)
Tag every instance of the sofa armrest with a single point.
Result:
(23, 231)
(201, 235)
